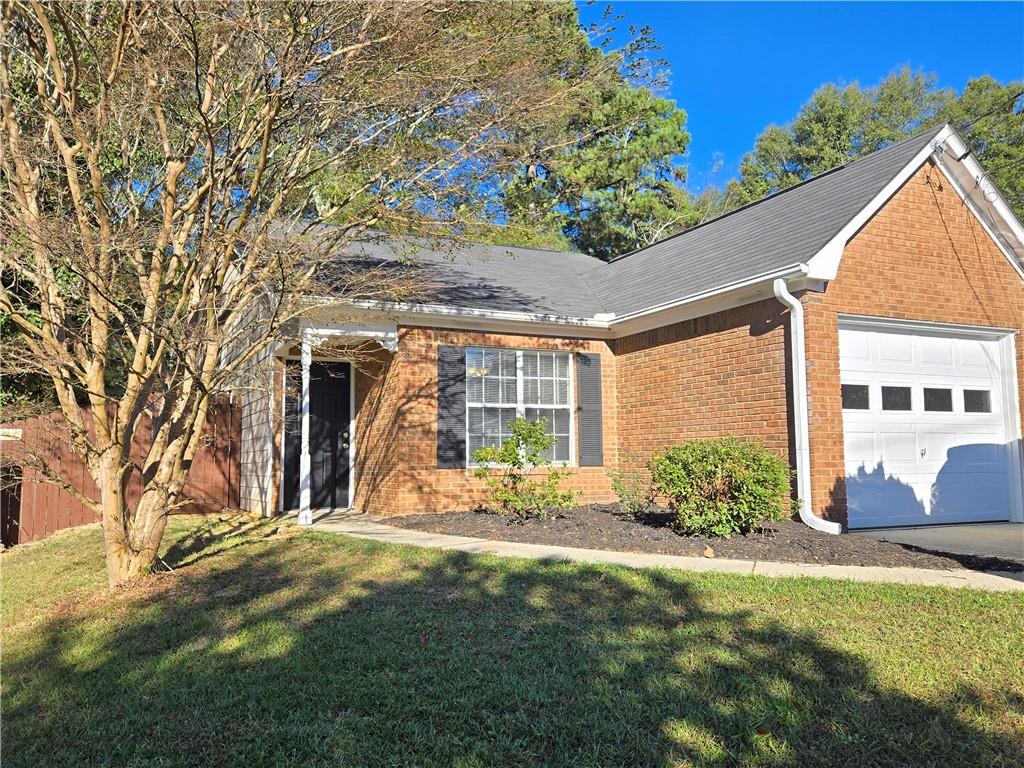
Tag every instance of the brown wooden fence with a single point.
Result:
(31, 508)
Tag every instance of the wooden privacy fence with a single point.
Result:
(31, 508)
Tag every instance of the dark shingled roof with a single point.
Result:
(784, 229)
(483, 276)
(767, 236)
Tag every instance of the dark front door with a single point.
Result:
(329, 416)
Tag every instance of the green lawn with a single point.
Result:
(308, 649)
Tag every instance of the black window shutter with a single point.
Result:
(451, 407)
(588, 409)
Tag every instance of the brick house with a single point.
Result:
(866, 323)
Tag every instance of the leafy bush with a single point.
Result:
(632, 490)
(720, 487)
(508, 472)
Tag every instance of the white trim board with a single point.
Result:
(900, 325)
(983, 220)
(600, 327)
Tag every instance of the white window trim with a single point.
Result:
(521, 405)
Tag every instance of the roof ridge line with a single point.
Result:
(395, 235)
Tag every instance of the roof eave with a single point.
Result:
(600, 326)
(476, 319)
(748, 291)
(952, 153)
(824, 265)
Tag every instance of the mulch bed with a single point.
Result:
(605, 527)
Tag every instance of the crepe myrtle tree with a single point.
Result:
(165, 169)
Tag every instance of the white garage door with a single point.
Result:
(926, 428)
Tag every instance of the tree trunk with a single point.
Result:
(129, 557)
(123, 561)
(131, 537)
(123, 565)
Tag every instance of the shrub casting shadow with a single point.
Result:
(444, 660)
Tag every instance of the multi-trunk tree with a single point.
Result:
(163, 166)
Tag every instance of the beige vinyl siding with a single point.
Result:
(257, 441)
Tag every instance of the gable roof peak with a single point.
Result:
(931, 133)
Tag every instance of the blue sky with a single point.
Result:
(737, 67)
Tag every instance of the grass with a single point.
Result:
(304, 648)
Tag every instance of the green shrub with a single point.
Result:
(632, 490)
(508, 471)
(721, 487)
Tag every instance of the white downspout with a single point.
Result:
(801, 424)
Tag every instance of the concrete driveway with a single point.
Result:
(1005, 540)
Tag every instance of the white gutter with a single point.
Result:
(597, 322)
(801, 424)
(793, 270)
(601, 325)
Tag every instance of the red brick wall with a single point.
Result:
(714, 376)
(923, 256)
(396, 425)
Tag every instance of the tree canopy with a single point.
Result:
(164, 168)
(616, 184)
(839, 124)
(605, 175)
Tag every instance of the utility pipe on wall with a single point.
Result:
(801, 424)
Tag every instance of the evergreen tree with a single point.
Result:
(841, 124)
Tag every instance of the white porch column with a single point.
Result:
(305, 465)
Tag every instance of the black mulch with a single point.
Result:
(605, 527)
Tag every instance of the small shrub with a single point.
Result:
(508, 470)
(720, 487)
(632, 490)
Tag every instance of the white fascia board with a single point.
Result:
(825, 263)
(717, 300)
(1011, 241)
(947, 143)
(972, 165)
(365, 311)
(600, 326)
(497, 321)
(320, 328)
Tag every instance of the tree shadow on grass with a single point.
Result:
(347, 653)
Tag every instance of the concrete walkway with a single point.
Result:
(366, 527)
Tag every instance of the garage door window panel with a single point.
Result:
(896, 398)
(856, 397)
(938, 399)
(977, 401)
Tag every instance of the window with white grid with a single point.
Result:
(502, 384)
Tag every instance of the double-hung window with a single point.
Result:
(502, 384)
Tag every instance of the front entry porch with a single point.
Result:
(318, 452)
(331, 417)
